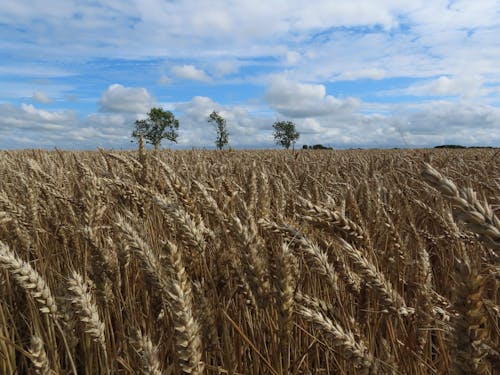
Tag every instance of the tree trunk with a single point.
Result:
(142, 159)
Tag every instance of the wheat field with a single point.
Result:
(250, 262)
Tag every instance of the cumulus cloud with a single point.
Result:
(27, 126)
(29, 117)
(110, 120)
(425, 125)
(300, 100)
(40, 97)
(447, 49)
(404, 125)
(464, 86)
(454, 119)
(190, 72)
(118, 98)
(245, 128)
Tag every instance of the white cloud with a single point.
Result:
(118, 98)
(27, 126)
(245, 129)
(190, 72)
(427, 125)
(225, 67)
(40, 97)
(43, 116)
(295, 99)
(372, 73)
(199, 108)
(111, 120)
(450, 48)
(292, 58)
(28, 118)
(164, 80)
(464, 86)
(423, 125)
(200, 30)
(34, 70)
(406, 38)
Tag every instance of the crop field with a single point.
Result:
(250, 262)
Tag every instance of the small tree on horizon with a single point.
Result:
(221, 128)
(159, 125)
(285, 134)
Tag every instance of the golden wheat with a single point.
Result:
(249, 262)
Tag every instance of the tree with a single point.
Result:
(159, 125)
(221, 127)
(285, 134)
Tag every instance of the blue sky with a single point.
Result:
(358, 73)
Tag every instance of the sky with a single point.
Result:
(349, 74)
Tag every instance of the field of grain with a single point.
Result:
(250, 262)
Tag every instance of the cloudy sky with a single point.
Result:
(349, 73)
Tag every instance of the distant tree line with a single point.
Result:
(450, 146)
(459, 146)
(316, 147)
(161, 124)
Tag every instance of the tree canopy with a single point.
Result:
(222, 138)
(285, 133)
(159, 125)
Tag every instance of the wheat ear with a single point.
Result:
(188, 338)
(28, 279)
(478, 217)
(343, 340)
(469, 325)
(285, 264)
(388, 296)
(190, 232)
(39, 358)
(251, 258)
(86, 309)
(149, 355)
(316, 257)
(333, 219)
(149, 261)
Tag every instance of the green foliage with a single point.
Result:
(316, 147)
(450, 146)
(285, 133)
(221, 127)
(159, 125)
